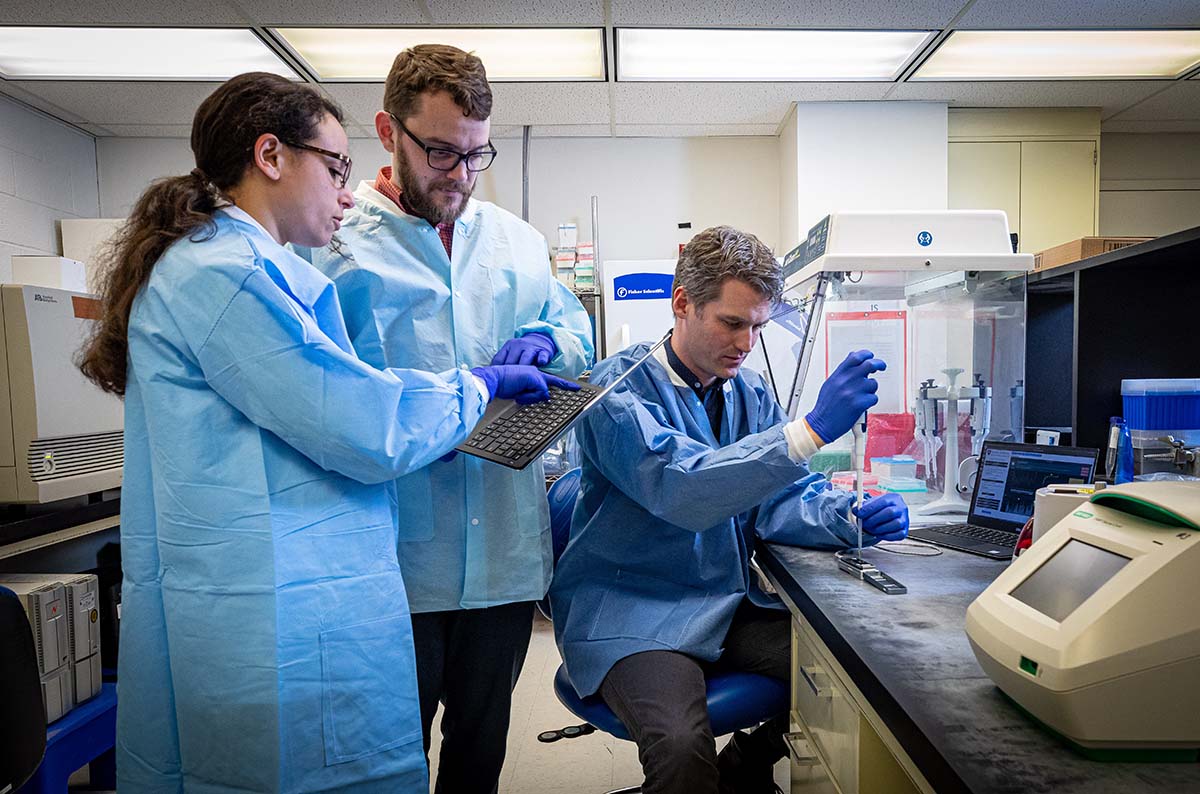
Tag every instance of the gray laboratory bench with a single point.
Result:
(891, 699)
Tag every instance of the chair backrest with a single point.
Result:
(562, 495)
(23, 727)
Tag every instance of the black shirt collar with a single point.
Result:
(688, 376)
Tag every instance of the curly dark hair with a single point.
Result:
(224, 131)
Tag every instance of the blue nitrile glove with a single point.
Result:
(518, 382)
(534, 349)
(845, 395)
(885, 517)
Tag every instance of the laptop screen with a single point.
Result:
(1010, 475)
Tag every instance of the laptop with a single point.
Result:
(1002, 501)
(515, 435)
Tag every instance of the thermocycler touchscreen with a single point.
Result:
(1068, 578)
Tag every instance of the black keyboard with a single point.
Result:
(993, 543)
(522, 432)
(996, 536)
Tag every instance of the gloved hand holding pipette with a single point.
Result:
(845, 395)
(885, 517)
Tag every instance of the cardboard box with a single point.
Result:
(1082, 248)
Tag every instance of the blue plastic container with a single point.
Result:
(1162, 404)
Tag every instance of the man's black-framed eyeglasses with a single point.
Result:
(448, 159)
(340, 175)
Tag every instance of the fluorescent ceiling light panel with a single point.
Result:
(699, 55)
(508, 54)
(1062, 55)
(205, 54)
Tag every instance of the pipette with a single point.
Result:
(860, 451)
(856, 566)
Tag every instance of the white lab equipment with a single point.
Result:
(1055, 502)
(82, 601)
(935, 294)
(636, 302)
(45, 606)
(56, 272)
(60, 435)
(1049, 438)
(1094, 630)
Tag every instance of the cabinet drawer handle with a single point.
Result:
(811, 674)
(801, 751)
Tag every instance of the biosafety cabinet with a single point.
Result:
(940, 296)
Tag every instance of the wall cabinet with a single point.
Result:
(1040, 167)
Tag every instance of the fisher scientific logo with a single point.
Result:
(924, 239)
(643, 286)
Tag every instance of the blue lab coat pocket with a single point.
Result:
(647, 608)
(370, 693)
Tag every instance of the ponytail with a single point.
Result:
(224, 130)
(170, 209)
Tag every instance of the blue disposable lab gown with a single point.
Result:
(472, 534)
(265, 639)
(663, 531)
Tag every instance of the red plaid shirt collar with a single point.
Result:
(384, 184)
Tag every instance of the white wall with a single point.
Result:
(47, 172)
(1149, 184)
(128, 165)
(869, 156)
(790, 233)
(646, 186)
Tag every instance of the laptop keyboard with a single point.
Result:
(526, 430)
(996, 536)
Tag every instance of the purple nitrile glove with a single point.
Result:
(519, 382)
(885, 517)
(535, 349)
(845, 394)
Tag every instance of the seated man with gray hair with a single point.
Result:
(683, 466)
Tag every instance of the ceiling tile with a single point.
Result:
(176, 13)
(550, 103)
(344, 13)
(570, 131)
(516, 12)
(695, 130)
(906, 14)
(1016, 14)
(147, 131)
(1110, 96)
(120, 102)
(728, 103)
(1180, 101)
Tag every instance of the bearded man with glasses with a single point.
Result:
(429, 277)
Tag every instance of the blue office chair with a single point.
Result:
(736, 701)
(23, 729)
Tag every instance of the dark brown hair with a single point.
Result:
(437, 67)
(224, 131)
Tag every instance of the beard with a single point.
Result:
(421, 201)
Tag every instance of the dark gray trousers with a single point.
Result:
(469, 660)
(660, 697)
